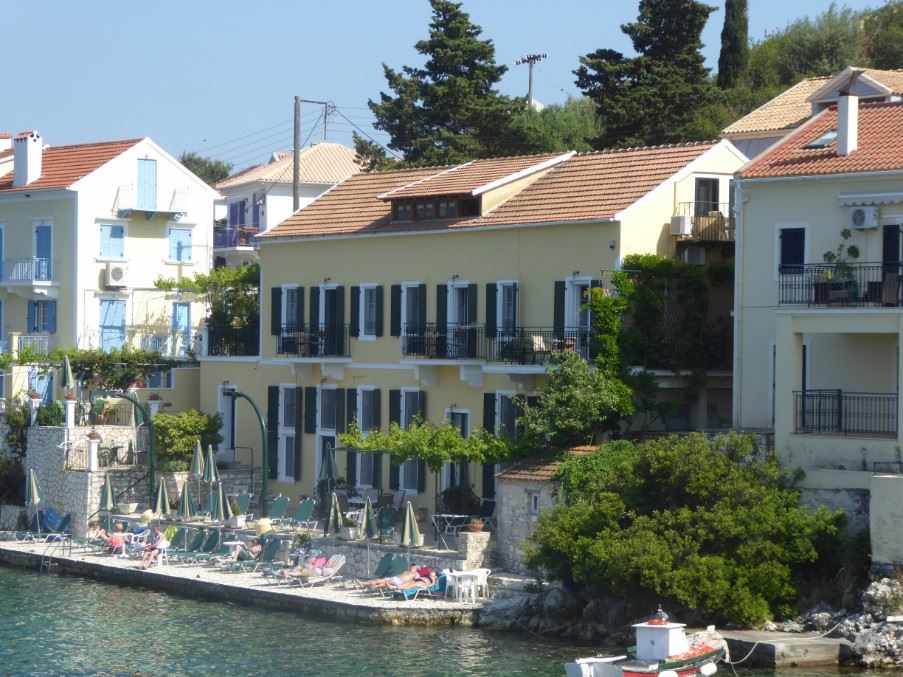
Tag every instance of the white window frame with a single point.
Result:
(285, 433)
(405, 287)
(453, 289)
(226, 407)
(499, 304)
(321, 431)
(411, 491)
(807, 244)
(321, 309)
(445, 478)
(362, 312)
(572, 305)
(723, 189)
(283, 312)
(109, 223)
(361, 456)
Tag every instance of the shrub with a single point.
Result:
(459, 500)
(177, 434)
(701, 524)
(52, 414)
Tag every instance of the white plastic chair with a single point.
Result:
(481, 582)
(162, 556)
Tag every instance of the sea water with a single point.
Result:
(62, 625)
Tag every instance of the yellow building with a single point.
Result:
(818, 321)
(445, 291)
(84, 232)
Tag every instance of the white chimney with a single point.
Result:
(27, 148)
(6, 142)
(847, 124)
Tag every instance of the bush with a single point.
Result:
(459, 500)
(177, 435)
(703, 525)
(52, 414)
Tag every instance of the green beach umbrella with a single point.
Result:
(211, 474)
(220, 509)
(334, 519)
(161, 504)
(107, 502)
(368, 520)
(327, 466)
(410, 536)
(33, 494)
(186, 509)
(197, 460)
(68, 379)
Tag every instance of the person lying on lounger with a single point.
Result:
(243, 552)
(426, 577)
(315, 565)
(405, 577)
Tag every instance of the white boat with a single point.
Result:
(662, 650)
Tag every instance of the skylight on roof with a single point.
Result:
(824, 140)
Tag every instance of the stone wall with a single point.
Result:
(518, 505)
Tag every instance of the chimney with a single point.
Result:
(6, 142)
(847, 123)
(27, 149)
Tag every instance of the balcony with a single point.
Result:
(164, 200)
(535, 345)
(228, 341)
(167, 342)
(845, 413)
(35, 343)
(443, 342)
(329, 340)
(875, 285)
(31, 276)
(703, 222)
(231, 237)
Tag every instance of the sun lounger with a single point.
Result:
(269, 550)
(303, 515)
(196, 545)
(437, 589)
(330, 573)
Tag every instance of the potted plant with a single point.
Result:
(840, 275)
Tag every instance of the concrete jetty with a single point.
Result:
(784, 649)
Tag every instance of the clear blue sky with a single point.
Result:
(219, 77)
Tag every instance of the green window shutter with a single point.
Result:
(378, 470)
(489, 480)
(422, 308)
(354, 321)
(351, 468)
(441, 319)
(489, 412)
(395, 406)
(299, 429)
(395, 309)
(558, 318)
(377, 419)
(314, 308)
(351, 407)
(310, 410)
(276, 311)
(340, 410)
(273, 431)
(379, 310)
(490, 310)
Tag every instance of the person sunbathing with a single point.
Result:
(426, 578)
(114, 542)
(405, 577)
(315, 565)
(243, 552)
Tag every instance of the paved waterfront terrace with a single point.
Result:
(336, 601)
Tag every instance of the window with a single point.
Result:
(792, 247)
(534, 504)
(42, 317)
(506, 415)
(147, 184)
(369, 309)
(291, 317)
(327, 408)
(367, 420)
(111, 241)
(112, 324)
(824, 140)
(447, 209)
(424, 210)
(706, 196)
(160, 378)
(237, 211)
(288, 408)
(179, 244)
(412, 320)
(409, 473)
(404, 212)
(181, 327)
(43, 251)
(455, 474)
(506, 308)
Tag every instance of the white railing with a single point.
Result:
(35, 343)
(29, 270)
(166, 199)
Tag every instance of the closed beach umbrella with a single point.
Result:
(33, 494)
(334, 519)
(186, 509)
(197, 461)
(107, 502)
(211, 474)
(327, 466)
(68, 379)
(368, 520)
(410, 536)
(161, 504)
(221, 510)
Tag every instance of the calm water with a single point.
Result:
(53, 625)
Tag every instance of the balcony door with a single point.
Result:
(706, 196)
(577, 317)
(147, 184)
(461, 315)
(330, 309)
(43, 251)
(112, 324)
(181, 328)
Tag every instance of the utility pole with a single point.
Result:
(530, 59)
(296, 148)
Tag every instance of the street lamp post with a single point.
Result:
(265, 460)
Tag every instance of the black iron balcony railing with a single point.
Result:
(535, 345)
(226, 340)
(845, 413)
(326, 340)
(443, 342)
(840, 284)
(708, 221)
(227, 237)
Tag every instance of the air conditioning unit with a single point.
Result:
(681, 225)
(864, 218)
(694, 255)
(116, 276)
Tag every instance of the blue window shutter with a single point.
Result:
(32, 316)
(173, 245)
(51, 317)
(233, 214)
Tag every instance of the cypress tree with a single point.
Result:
(734, 43)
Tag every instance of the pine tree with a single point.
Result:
(734, 43)
(651, 98)
(448, 111)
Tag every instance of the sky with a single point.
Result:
(219, 78)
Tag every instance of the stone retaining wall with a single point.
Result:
(518, 505)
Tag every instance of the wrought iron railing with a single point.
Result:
(443, 342)
(327, 340)
(38, 343)
(840, 284)
(710, 221)
(235, 341)
(29, 270)
(845, 413)
(227, 237)
(535, 345)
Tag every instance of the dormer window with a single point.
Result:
(424, 210)
(404, 212)
(824, 140)
(447, 209)
(430, 209)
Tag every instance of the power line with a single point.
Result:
(386, 148)
(246, 136)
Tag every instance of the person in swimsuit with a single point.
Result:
(398, 581)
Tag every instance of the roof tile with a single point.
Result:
(320, 163)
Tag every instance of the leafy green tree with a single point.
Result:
(883, 41)
(114, 370)
(177, 435)
(448, 111)
(210, 171)
(369, 154)
(734, 43)
(232, 293)
(651, 98)
(711, 526)
(572, 126)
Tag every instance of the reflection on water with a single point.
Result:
(54, 625)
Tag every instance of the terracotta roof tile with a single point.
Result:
(320, 163)
(540, 469)
(61, 166)
(786, 111)
(880, 146)
(465, 178)
(588, 186)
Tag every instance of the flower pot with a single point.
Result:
(237, 521)
(348, 533)
(475, 524)
(127, 508)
